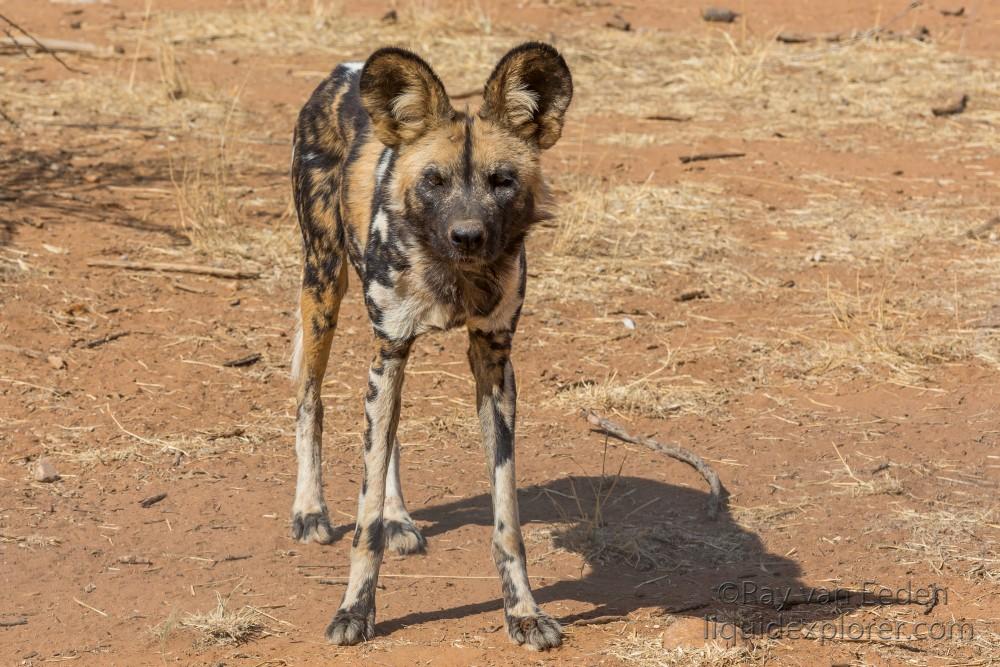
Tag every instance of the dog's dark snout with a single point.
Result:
(467, 235)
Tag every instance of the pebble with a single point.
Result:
(45, 471)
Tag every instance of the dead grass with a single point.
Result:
(647, 397)
(963, 540)
(634, 238)
(647, 651)
(13, 265)
(222, 625)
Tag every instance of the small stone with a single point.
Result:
(718, 15)
(56, 362)
(691, 295)
(89, 588)
(952, 107)
(816, 257)
(390, 17)
(629, 323)
(619, 23)
(45, 471)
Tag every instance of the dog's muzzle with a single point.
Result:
(467, 236)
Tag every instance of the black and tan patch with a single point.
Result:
(431, 206)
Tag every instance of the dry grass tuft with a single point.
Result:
(644, 651)
(645, 397)
(962, 540)
(12, 265)
(172, 76)
(224, 626)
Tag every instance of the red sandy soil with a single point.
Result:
(154, 411)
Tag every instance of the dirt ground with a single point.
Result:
(818, 318)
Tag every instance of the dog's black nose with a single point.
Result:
(467, 235)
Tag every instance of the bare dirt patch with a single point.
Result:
(818, 319)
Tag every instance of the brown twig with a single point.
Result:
(673, 451)
(152, 500)
(935, 591)
(953, 108)
(12, 622)
(701, 157)
(600, 620)
(97, 342)
(27, 352)
(248, 360)
(669, 118)
(196, 269)
(37, 43)
(134, 560)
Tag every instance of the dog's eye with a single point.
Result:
(503, 179)
(433, 178)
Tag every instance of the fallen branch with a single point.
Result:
(600, 620)
(152, 500)
(134, 560)
(701, 157)
(170, 267)
(248, 360)
(10, 623)
(50, 46)
(97, 342)
(668, 117)
(32, 40)
(952, 108)
(95, 609)
(27, 352)
(673, 451)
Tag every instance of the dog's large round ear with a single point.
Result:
(403, 96)
(529, 92)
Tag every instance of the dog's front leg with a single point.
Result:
(496, 397)
(355, 620)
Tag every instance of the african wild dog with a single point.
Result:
(431, 206)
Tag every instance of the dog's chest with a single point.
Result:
(408, 294)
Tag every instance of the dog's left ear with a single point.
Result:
(529, 92)
(403, 96)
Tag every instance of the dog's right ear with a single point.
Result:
(403, 96)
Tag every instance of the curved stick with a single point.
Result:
(673, 451)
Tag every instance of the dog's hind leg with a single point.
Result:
(323, 287)
(401, 534)
(496, 397)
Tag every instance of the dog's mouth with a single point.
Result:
(468, 261)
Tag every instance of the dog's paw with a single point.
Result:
(349, 628)
(312, 527)
(404, 538)
(538, 632)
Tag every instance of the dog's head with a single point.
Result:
(468, 185)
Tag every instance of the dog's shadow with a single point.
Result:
(652, 547)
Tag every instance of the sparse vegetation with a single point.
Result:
(822, 289)
(223, 625)
(646, 651)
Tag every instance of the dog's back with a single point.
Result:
(333, 157)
